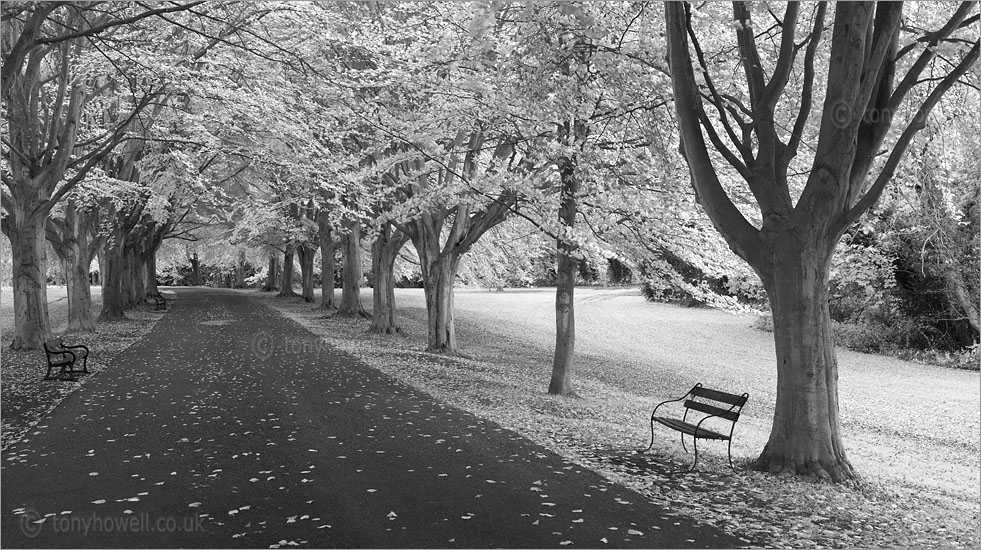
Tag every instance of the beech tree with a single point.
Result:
(385, 247)
(325, 235)
(443, 221)
(46, 90)
(874, 70)
(74, 236)
(572, 80)
(65, 66)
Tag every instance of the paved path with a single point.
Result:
(231, 426)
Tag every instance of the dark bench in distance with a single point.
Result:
(702, 400)
(65, 358)
(162, 299)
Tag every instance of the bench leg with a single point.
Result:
(694, 445)
(65, 372)
(730, 456)
(694, 462)
(652, 437)
(68, 370)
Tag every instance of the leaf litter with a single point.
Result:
(501, 380)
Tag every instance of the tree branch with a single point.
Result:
(918, 122)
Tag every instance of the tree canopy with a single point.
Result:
(742, 155)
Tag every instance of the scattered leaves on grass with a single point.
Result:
(501, 380)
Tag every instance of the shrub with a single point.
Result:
(764, 323)
(618, 273)
(256, 280)
(861, 281)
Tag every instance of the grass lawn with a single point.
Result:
(912, 431)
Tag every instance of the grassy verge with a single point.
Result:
(25, 397)
(921, 479)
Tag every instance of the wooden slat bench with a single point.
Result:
(702, 400)
(168, 295)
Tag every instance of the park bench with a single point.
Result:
(64, 358)
(162, 298)
(702, 400)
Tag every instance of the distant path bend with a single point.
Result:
(236, 424)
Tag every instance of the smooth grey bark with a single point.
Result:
(286, 288)
(240, 269)
(271, 273)
(563, 361)
(70, 238)
(26, 233)
(327, 262)
(352, 274)
(306, 253)
(384, 250)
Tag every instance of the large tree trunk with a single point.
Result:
(113, 273)
(150, 269)
(961, 297)
(271, 272)
(69, 237)
(438, 280)
(384, 251)
(327, 300)
(566, 269)
(352, 273)
(148, 258)
(286, 289)
(306, 254)
(126, 283)
(138, 275)
(26, 233)
(805, 438)
(195, 269)
(240, 270)
(79, 291)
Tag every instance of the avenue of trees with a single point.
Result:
(832, 148)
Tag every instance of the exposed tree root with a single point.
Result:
(360, 312)
(825, 469)
(445, 352)
(394, 331)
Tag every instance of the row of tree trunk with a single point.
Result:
(439, 261)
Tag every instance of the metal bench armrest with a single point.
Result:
(675, 400)
(78, 346)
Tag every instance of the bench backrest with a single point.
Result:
(735, 402)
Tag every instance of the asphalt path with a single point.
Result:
(229, 426)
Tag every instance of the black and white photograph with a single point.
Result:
(490, 274)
